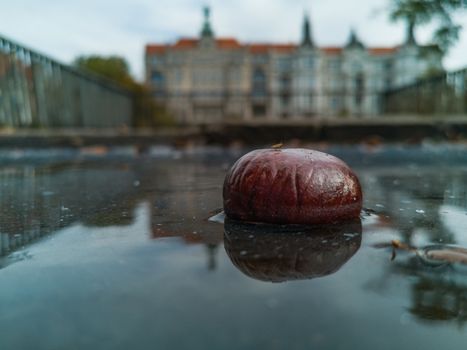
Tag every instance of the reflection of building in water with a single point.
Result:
(212, 79)
(39, 200)
(183, 212)
(437, 294)
(413, 202)
(25, 215)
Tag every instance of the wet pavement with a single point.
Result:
(115, 250)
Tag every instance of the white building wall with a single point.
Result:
(207, 84)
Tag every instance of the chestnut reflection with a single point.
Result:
(281, 253)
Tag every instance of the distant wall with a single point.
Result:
(36, 91)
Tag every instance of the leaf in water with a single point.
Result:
(400, 245)
(447, 254)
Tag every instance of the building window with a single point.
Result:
(387, 66)
(285, 82)
(157, 78)
(334, 65)
(306, 62)
(157, 60)
(259, 110)
(260, 59)
(335, 104)
(359, 88)
(356, 67)
(285, 99)
(387, 83)
(259, 82)
(284, 64)
(178, 75)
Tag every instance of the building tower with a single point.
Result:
(354, 42)
(307, 41)
(206, 31)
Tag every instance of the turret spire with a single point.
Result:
(354, 42)
(206, 31)
(306, 32)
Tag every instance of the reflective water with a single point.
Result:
(116, 252)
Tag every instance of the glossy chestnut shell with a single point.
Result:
(291, 186)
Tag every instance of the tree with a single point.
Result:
(421, 12)
(146, 112)
(114, 68)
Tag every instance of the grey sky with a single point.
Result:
(67, 28)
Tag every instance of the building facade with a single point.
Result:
(213, 80)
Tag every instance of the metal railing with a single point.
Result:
(440, 95)
(37, 91)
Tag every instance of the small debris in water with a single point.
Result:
(368, 211)
(420, 211)
(433, 255)
(351, 235)
(218, 217)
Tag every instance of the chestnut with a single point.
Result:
(291, 186)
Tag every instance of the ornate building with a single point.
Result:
(210, 79)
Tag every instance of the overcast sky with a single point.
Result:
(64, 29)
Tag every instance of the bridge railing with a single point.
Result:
(443, 94)
(36, 91)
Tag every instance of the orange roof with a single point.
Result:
(258, 48)
(222, 43)
(332, 50)
(228, 43)
(185, 43)
(155, 49)
(264, 48)
(382, 50)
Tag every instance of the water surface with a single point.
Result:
(116, 252)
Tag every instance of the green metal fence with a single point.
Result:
(441, 95)
(36, 91)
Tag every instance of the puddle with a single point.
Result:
(118, 253)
